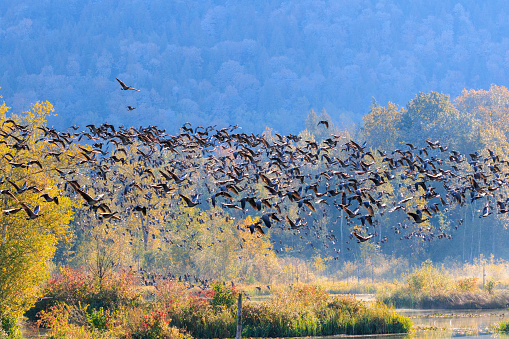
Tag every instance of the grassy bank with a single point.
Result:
(80, 308)
(402, 298)
(430, 287)
(337, 287)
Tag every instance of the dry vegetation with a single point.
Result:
(455, 287)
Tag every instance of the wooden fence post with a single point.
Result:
(239, 318)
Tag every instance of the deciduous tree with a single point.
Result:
(27, 246)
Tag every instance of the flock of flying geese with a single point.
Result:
(283, 180)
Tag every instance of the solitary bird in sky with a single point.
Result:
(124, 87)
(324, 122)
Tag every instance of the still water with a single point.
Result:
(431, 324)
(458, 323)
(439, 323)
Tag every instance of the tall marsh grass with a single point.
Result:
(306, 310)
(432, 287)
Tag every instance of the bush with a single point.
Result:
(300, 296)
(99, 319)
(9, 327)
(65, 321)
(490, 286)
(134, 322)
(306, 310)
(75, 287)
(155, 324)
(403, 297)
(170, 294)
(298, 310)
(503, 327)
(428, 279)
(468, 284)
(348, 305)
(223, 296)
(201, 319)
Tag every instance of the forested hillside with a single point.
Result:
(255, 64)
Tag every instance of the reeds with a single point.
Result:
(430, 287)
(294, 311)
(310, 315)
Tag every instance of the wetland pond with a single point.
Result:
(437, 323)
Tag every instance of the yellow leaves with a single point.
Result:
(28, 245)
(40, 111)
(3, 109)
(289, 270)
(493, 137)
(319, 264)
(305, 135)
(472, 99)
(380, 125)
(241, 253)
(35, 116)
(489, 112)
(248, 220)
(254, 244)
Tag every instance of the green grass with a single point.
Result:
(402, 298)
(503, 327)
(262, 321)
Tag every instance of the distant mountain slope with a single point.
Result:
(253, 63)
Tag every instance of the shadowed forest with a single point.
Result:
(244, 63)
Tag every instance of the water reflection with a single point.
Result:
(462, 323)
